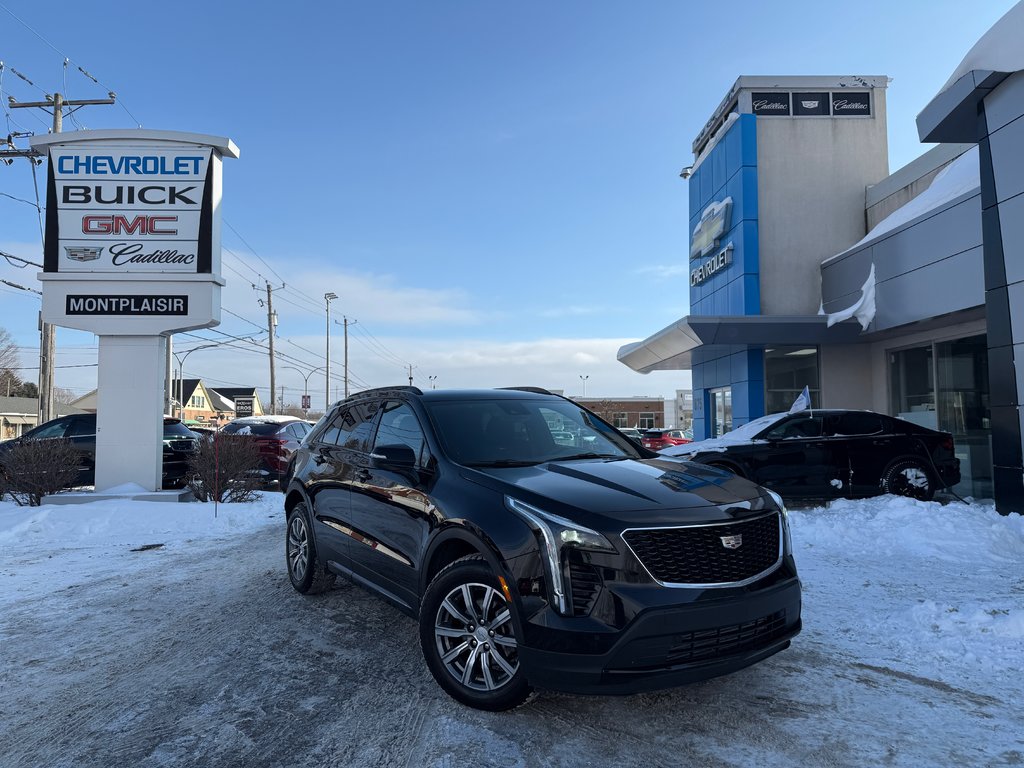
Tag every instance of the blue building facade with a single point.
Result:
(728, 381)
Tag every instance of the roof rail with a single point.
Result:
(534, 390)
(380, 390)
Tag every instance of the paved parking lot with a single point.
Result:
(208, 657)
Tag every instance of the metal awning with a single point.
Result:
(12, 420)
(671, 348)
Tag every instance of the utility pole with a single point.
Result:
(47, 340)
(346, 323)
(410, 374)
(271, 326)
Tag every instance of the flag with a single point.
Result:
(802, 402)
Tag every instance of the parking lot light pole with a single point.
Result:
(584, 380)
(328, 297)
(181, 357)
(305, 381)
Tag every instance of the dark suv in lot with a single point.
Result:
(596, 568)
(80, 429)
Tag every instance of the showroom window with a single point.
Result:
(787, 370)
(621, 419)
(646, 421)
(945, 386)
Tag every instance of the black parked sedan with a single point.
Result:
(80, 430)
(830, 453)
(597, 567)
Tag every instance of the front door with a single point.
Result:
(799, 460)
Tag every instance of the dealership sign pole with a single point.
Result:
(132, 254)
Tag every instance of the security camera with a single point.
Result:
(686, 172)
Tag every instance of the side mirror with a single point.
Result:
(396, 457)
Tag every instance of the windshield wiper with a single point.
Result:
(590, 455)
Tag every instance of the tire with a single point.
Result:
(478, 667)
(306, 571)
(910, 478)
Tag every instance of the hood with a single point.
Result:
(611, 493)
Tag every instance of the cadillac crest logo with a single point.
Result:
(732, 542)
(83, 252)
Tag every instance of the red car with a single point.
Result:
(277, 437)
(656, 439)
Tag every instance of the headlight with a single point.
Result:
(558, 532)
(787, 541)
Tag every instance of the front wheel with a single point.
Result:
(909, 477)
(468, 638)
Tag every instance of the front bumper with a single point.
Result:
(667, 646)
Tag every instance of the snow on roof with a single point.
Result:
(999, 50)
(956, 179)
(742, 434)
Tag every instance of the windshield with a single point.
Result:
(175, 429)
(521, 432)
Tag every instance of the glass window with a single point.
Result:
(854, 423)
(399, 426)
(963, 409)
(787, 370)
(912, 377)
(82, 426)
(795, 428)
(621, 419)
(356, 426)
(646, 421)
(721, 411)
(51, 429)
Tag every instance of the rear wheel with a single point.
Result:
(306, 571)
(909, 477)
(468, 637)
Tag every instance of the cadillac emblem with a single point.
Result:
(83, 252)
(732, 542)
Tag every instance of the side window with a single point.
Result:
(81, 428)
(295, 431)
(799, 427)
(53, 429)
(330, 435)
(399, 425)
(859, 424)
(357, 424)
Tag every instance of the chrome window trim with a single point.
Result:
(709, 585)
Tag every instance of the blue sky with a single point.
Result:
(491, 189)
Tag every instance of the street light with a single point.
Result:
(328, 297)
(584, 380)
(433, 382)
(181, 374)
(305, 381)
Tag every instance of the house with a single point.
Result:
(20, 414)
(198, 404)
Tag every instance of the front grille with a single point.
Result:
(726, 641)
(585, 583)
(184, 446)
(697, 555)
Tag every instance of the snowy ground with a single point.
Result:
(199, 653)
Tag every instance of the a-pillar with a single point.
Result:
(129, 411)
(988, 107)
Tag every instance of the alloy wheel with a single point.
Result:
(298, 547)
(474, 637)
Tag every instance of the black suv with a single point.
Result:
(80, 430)
(599, 567)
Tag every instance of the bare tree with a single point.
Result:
(63, 396)
(224, 468)
(10, 382)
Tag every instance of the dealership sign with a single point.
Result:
(130, 209)
(714, 222)
(712, 266)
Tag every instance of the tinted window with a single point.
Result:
(81, 427)
(352, 427)
(801, 426)
(399, 425)
(858, 424)
(296, 431)
(174, 429)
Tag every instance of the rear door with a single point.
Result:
(867, 444)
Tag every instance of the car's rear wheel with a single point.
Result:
(468, 638)
(909, 477)
(306, 571)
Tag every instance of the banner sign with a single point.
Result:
(770, 103)
(855, 103)
(243, 406)
(810, 103)
(112, 208)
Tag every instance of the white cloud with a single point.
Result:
(664, 270)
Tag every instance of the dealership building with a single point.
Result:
(812, 265)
